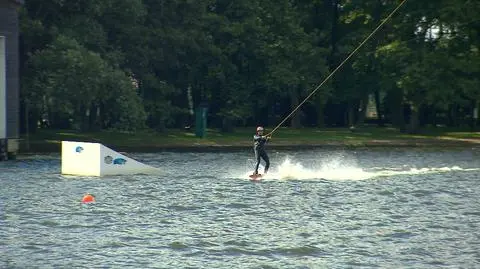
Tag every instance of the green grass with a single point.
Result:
(50, 140)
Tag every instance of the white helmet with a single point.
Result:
(259, 128)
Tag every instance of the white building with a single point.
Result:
(9, 78)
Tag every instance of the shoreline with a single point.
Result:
(434, 143)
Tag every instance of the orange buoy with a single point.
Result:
(88, 198)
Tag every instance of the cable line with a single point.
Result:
(339, 66)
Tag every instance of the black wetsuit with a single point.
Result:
(259, 148)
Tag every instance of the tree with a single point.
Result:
(72, 85)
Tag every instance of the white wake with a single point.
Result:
(338, 170)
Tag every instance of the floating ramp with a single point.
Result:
(95, 159)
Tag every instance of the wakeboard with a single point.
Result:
(255, 177)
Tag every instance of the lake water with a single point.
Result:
(381, 208)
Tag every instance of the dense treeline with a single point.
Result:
(129, 64)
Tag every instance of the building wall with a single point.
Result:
(9, 28)
(3, 91)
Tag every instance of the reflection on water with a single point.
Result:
(316, 209)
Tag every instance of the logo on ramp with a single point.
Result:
(119, 161)
(108, 159)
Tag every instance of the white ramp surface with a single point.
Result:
(95, 159)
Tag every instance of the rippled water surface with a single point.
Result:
(316, 209)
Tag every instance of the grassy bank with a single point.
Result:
(50, 140)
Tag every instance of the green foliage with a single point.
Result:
(126, 64)
(69, 81)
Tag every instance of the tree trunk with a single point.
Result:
(33, 118)
(227, 125)
(362, 111)
(161, 127)
(377, 15)
(424, 115)
(320, 113)
(474, 115)
(101, 115)
(93, 122)
(333, 38)
(396, 109)
(452, 116)
(433, 117)
(84, 118)
(296, 117)
(378, 107)
(351, 114)
(413, 126)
